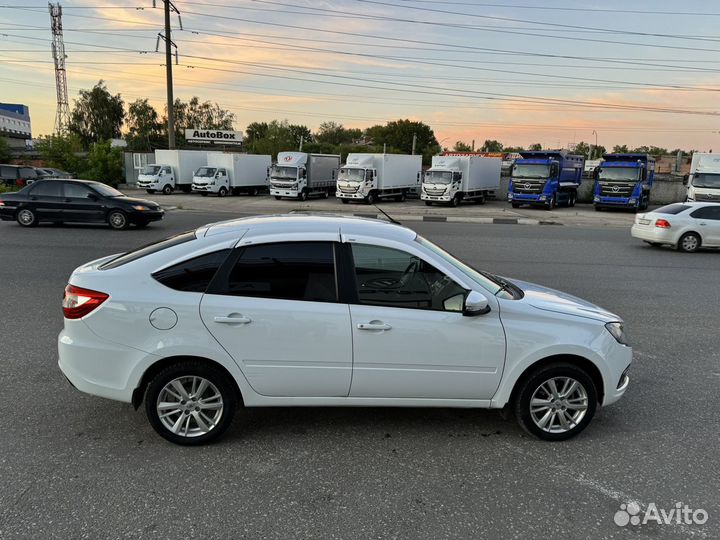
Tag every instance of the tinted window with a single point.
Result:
(672, 209)
(27, 172)
(707, 212)
(392, 278)
(289, 270)
(8, 172)
(148, 249)
(193, 275)
(76, 191)
(49, 188)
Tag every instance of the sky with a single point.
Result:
(519, 71)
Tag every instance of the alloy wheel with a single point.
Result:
(25, 217)
(118, 220)
(559, 404)
(189, 406)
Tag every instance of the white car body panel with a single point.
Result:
(311, 353)
(709, 230)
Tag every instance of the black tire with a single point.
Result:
(191, 368)
(325, 194)
(167, 189)
(253, 192)
(344, 201)
(515, 205)
(203, 194)
(531, 384)
(401, 197)
(371, 198)
(598, 208)
(455, 201)
(150, 191)
(278, 197)
(303, 196)
(689, 242)
(118, 220)
(26, 218)
(571, 200)
(222, 192)
(428, 203)
(479, 200)
(552, 203)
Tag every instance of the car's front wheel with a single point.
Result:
(26, 217)
(118, 220)
(556, 402)
(190, 403)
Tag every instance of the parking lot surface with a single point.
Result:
(75, 466)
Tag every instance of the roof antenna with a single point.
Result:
(384, 213)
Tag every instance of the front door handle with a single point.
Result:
(374, 325)
(233, 320)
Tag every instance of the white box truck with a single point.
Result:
(452, 179)
(173, 169)
(227, 172)
(298, 175)
(703, 184)
(369, 177)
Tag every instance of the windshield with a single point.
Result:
(352, 175)
(627, 174)
(152, 170)
(106, 191)
(438, 177)
(704, 180)
(480, 278)
(289, 173)
(531, 171)
(205, 172)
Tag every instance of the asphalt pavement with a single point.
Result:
(76, 466)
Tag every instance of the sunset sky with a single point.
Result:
(520, 71)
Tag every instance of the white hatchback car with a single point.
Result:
(687, 226)
(330, 311)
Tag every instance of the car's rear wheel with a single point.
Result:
(190, 403)
(26, 217)
(689, 242)
(118, 220)
(556, 402)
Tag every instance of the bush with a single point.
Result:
(104, 164)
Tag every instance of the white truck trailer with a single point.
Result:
(369, 177)
(173, 169)
(298, 175)
(452, 179)
(227, 172)
(704, 181)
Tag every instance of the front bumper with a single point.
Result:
(618, 379)
(527, 198)
(358, 195)
(282, 192)
(439, 198)
(149, 215)
(203, 188)
(618, 202)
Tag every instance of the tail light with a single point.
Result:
(662, 223)
(79, 302)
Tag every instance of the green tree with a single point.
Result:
(582, 148)
(597, 152)
(300, 133)
(491, 145)
(5, 154)
(462, 147)
(199, 115)
(652, 150)
(145, 131)
(97, 115)
(513, 149)
(336, 134)
(255, 131)
(63, 152)
(398, 136)
(104, 164)
(278, 138)
(535, 147)
(620, 149)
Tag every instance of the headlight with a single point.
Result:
(617, 329)
(140, 208)
(596, 199)
(632, 201)
(542, 197)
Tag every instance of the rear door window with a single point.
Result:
(49, 188)
(707, 212)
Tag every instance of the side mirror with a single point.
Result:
(475, 304)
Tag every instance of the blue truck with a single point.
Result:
(624, 181)
(545, 178)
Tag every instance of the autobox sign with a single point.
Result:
(215, 136)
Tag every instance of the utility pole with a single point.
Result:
(62, 115)
(596, 145)
(301, 143)
(169, 44)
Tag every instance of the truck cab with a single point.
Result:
(624, 181)
(545, 179)
(157, 177)
(703, 183)
(441, 182)
(211, 180)
(288, 176)
(355, 182)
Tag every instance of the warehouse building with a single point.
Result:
(15, 124)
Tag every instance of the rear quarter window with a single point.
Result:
(672, 209)
(193, 275)
(148, 249)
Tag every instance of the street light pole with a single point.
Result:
(596, 144)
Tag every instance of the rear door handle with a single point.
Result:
(374, 326)
(233, 320)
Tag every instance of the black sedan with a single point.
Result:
(75, 201)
